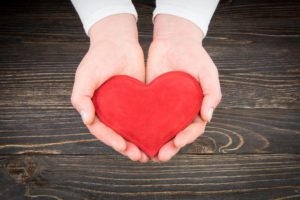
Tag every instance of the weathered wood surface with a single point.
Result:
(252, 143)
(187, 177)
(42, 42)
(60, 131)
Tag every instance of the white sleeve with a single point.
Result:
(91, 11)
(199, 12)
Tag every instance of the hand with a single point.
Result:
(177, 45)
(114, 50)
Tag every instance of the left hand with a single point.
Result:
(114, 50)
(177, 46)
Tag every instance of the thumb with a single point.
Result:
(85, 107)
(83, 90)
(209, 103)
(209, 81)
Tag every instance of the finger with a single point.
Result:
(210, 84)
(210, 102)
(132, 152)
(155, 159)
(107, 136)
(85, 107)
(190, 133)
(167, 151)
(112, 139)
(144, 158)
(83, 90)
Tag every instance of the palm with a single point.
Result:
(169, 55)
(105, 59)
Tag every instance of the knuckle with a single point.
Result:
(216, 71)
(219, 97)
(199, 129)
(217, 93)
(74, 101)
(78, 70)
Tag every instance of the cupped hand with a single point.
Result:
(177, 46)
(114, 50)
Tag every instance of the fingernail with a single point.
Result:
(210, 114)
(84, 116)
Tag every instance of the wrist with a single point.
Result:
(170, 26)
(117, 27)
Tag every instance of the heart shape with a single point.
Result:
(149, 115)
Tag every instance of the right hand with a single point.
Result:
(114, 50)
(177, 46)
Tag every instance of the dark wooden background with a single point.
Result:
(249, 151)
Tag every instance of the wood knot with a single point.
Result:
(23, 170)
(204, 145)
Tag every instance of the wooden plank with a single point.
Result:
(270, 18)
(268, 176)
(48, 130)
(261, 74)
(57, 19)
(266, 18)
(39, 56)
(255, 45)
(258, 69)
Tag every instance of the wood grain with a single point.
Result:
(257, 70)
(187, 177)
(32, 130)
(268, 18)
(259, 76)
(249, 151)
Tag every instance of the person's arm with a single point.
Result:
(91, 11)
(199, 12)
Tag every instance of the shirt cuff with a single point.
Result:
(198, 12)
(92, 11)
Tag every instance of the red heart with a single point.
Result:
(149, 115)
